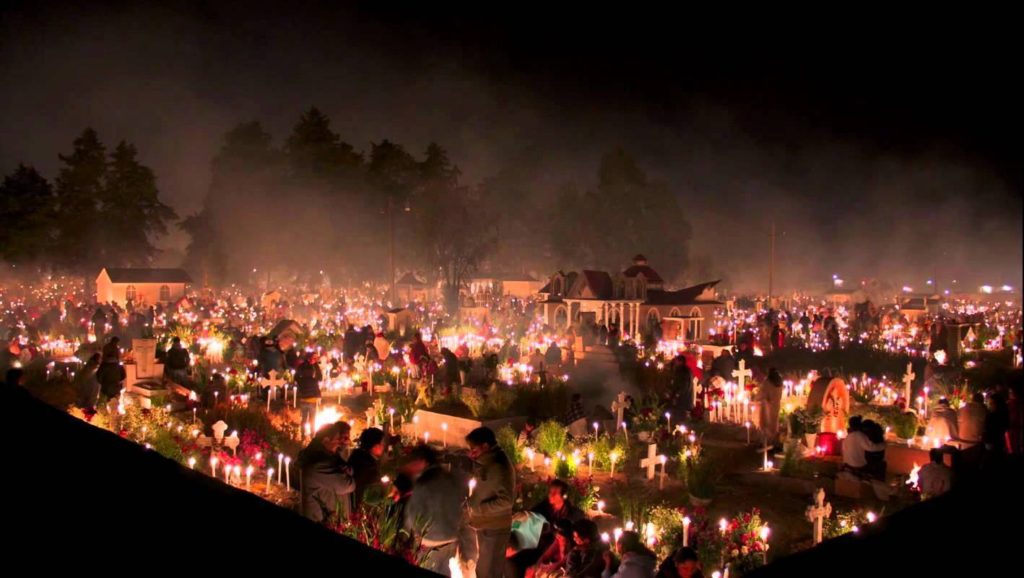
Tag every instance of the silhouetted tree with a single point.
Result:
(79, 187)
(26, 216)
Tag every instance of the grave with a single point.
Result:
(458, 427)
(145, 377)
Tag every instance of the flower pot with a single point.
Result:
(699, 502)
(809, 439)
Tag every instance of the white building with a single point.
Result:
(142, 287)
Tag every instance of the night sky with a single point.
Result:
(884, 145)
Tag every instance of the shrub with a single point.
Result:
(702, 475)
(551, 437)
(509, 442)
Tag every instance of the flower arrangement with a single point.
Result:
(846, 522)
(744, 545)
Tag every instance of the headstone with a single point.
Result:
(651, 461)
(836, 406)
(818, 512)
(144, 351)
(204, 441)
(218, 430)
(742, 373)
(619, 407)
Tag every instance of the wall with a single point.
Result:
(146, 293)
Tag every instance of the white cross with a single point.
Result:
(218, 430)
(742, 373)
(818, 512)
(652, 460)
(908, 378)
(619, 406)
(231, 442)
(273, 382)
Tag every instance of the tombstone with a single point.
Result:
(146, 365)
(204, 441)
(218, 430)
(652, 460)
(835, 406)
(232, 442)
(818, 512)
(619, 407)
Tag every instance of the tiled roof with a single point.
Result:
(125, 275)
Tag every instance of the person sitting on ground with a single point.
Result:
(365, 462)
(942, 424)
(554, 558)
(681, 564)
(326, 478)
(553, 356)
(635, 559)
(586, 560)
(935, 477)
(856, 445)
(557, 505)
(528, 433)
(971, 419)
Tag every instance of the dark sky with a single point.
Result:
(883, 144)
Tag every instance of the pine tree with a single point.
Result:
(131, 213)
(26, 216)
(79, 186)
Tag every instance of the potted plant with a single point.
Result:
(904, 425)
(701, 477)
(806, 423)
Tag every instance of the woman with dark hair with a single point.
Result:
(365, 462)
(586, 559)
(635, 560)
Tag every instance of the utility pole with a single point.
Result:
(391, 246)
(771, 268)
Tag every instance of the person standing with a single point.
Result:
(177, 362)
(771, 404)
(88, 385)
(307, 380)
(111, 374)
(971, 419)
(490, 505)
(326, 480)
(434, 511)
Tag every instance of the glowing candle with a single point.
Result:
(426, 437)
(391, 417)
(444, 433)
(288, 472)
(668, 419)
(191, 463)
(617, 533)
(590, 463)
(686, 531)
(213, 467)
(280, 466)
(248, 479)
(270, 478)
(661, 480)
(595, 429)
(614, 456)
(472, 486)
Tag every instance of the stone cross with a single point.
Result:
(619, 406)
(218, 430)
(908, 378)
(742, 373)
(203, 441)
(651, 461)
(231, 442)
(818, 512)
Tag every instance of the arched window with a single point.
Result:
(129, 293)
(165, 293)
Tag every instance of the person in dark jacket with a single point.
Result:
(587, 557)
(635, 559)
(178, 360)
(88, 385)
(451, 367)
(365, 462)
(307, 379)
(490, 505)
(111, 373)
(556, 509)
(271, 358)
(683, 563)
(434, 510)
(326, 480)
